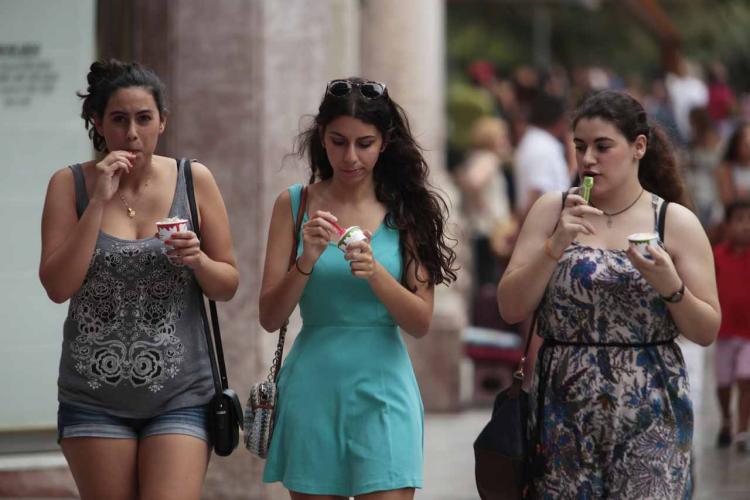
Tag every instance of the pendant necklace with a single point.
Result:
(612, 214)
(131, 210)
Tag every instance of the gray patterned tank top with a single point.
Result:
(133, 341)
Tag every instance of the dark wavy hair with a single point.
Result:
(658, 171)
(400, 175)
(107, 77)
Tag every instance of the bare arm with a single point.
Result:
(689, 261)
(530, 268)
(412, 311)
(211, 259)
(67, 242)
(281, 288)
(533, 195)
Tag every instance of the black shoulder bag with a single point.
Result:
(226, 410)
(501, 449)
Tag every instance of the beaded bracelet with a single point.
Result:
(296, 264)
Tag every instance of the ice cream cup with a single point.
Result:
(641, 240)
(350, 235)
(165, 227)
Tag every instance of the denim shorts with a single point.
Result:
(74, 421)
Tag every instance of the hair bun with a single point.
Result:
(100, 71)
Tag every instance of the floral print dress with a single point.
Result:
(611, 415)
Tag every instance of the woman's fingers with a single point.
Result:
(183, 239)
(359, 251)
(117, 160)
(581, 210)
(638, 259)
(573, 199)
(328, 216)
(577, 224)
(321, 226)
(661, 257)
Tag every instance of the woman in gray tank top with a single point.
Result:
(135, 377)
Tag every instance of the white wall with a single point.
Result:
(40, 132)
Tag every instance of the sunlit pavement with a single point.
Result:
(449, 459)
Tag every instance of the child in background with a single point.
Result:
(732, 258)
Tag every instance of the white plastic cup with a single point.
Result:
(165, 227)
(351, 234)
(641, 240)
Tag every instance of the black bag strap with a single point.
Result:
(662, 220)
(273, 374)
(519, 373)
(82, 197)
(219, 370)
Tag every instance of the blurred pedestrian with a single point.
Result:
(703, 158)
(349, 420)
(686, 91)
(135, 379)
(540, 164)
(611, 412)
(732, 363)
(485, 201)
(722, 101)
(733, 175)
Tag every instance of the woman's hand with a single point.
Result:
(108, 173)
(316, 233)
(572, 222)
(186, 249)
(361, 260)
(659, 271)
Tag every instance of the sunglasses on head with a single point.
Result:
(368, 89)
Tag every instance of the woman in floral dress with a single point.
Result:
(611, 415)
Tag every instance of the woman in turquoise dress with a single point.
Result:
(611, 415)
(350, 419)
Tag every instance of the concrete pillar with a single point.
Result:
(241, 75)
(403, 45)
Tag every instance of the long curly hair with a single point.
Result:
(400, 176)
(658, 171)
(107, 77)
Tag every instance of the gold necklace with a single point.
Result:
(612, 214)
(131, 210)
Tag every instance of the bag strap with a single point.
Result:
(218, 369)
(518, 375)
(662, 220)
(273, 374)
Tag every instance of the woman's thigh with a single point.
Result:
(102, 467)
(172, 466)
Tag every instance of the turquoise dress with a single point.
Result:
(350, 416)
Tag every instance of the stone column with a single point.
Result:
(241, 75)
(403, 45)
